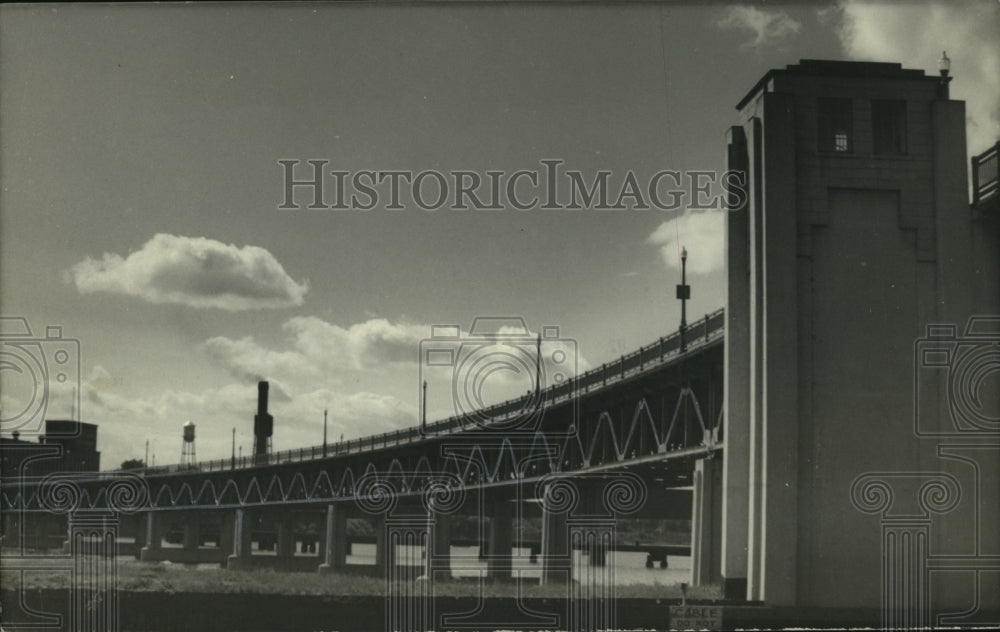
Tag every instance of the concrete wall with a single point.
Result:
(836, 269)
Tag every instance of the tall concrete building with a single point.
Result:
(861, 453)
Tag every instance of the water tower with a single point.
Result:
(187, 447)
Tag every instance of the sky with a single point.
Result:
(141, 186)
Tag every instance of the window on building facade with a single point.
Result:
(834, 125)
(889, 127)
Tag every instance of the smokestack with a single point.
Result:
(263, 423)
(262, 387)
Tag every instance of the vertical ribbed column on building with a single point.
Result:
(755, 406)
(774, 380)
(736, 419)
(780, 398)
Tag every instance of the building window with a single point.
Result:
(889, 128)
(834, 125)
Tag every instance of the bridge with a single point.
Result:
(832, 435)
(628, 433)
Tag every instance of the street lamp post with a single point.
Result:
(423, 408)
(324, 432)
(683, 294)
(944, 69)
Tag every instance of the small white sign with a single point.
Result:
(695, 617)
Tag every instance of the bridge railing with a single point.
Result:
(698, 334)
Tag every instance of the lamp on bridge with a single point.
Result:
(683, 294)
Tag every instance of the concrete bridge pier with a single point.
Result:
(152, 550)
(407, 606)
(500, 539)
(593, 524)
(192, 532)
(385, 548)
(137, 522)
(286, 540)
(439, 545)
(334, 545)
(557, 561)
(706, 523)
(592, 533)
(11, 528)
(321, 534)
(130, 525)
(394, 526)
(242, 541)
(227, 527)
(93, 604)
(591, 528)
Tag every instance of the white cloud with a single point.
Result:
(915, 34)
(126, 419)
(384, 356)
(701, 232)
(768, 26)
(249, 362)
(374, 412)
(317, 347)
(193, 271)
(372, 343)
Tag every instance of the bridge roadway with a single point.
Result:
(630, 438)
